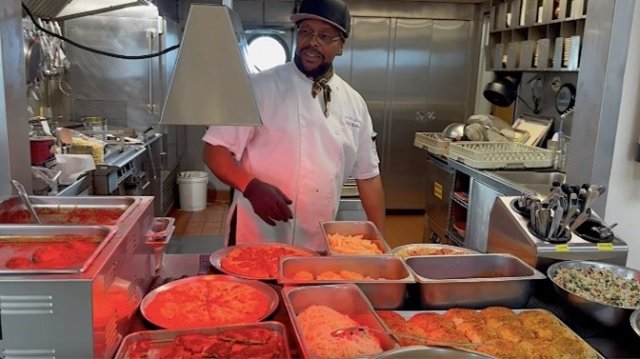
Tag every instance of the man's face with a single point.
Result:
(317, 44)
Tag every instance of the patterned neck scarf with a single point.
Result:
(320, 84)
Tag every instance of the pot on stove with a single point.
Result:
(95, 123)
(40, 149)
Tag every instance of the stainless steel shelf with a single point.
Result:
(459, 201)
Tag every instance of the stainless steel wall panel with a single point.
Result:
(370, 66)
(99, 78)
(403, 164)
(411, 9)
(450, 72)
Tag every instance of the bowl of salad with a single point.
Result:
(607, 293)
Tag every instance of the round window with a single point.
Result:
(265, 52)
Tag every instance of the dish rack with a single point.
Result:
(433, 142)
(492, 155)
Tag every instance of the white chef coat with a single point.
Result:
(306, 155)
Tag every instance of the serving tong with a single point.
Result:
(361, 330)
(25, 200)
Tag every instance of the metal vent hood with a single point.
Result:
(210, 83)
(69, 9)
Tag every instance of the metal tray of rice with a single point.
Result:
(317, 311)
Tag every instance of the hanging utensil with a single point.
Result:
(25, 199)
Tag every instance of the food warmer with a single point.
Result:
(84, 311)
(509, 232)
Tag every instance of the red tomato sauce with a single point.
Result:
(103, 216)
(57, 254)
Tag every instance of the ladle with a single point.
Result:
(25, 199)
(351, 331)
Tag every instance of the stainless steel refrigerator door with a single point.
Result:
(418, 81)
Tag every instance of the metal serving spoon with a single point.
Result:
(353, 331)
(25, 199)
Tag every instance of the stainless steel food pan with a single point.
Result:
(345, 298)
(605, 314)
(351, 228)
(163, 338)
(11, 208)
(386, 292)
(421, 249)
(10, 235)
(473, 280)
(565, 332)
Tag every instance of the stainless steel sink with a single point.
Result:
(539, 182)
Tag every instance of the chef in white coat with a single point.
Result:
(316, 132)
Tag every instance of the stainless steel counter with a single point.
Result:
(611, 342)
(114, 170)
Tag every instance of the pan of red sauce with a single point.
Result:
(50, 249)
(93, 210)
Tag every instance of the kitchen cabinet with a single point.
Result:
(459, 200)
(439, 187)
(536, 35)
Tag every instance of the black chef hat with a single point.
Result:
(334, 12)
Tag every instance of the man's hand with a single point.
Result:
(268, 202)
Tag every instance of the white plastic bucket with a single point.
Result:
(192, 186)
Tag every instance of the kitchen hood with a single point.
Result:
(210, 83)
(69, 9)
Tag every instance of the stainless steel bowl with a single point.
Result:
(605, 314)
(454, 131)
(635, 321)
(418, 351)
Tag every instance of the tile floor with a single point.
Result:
(400, 228)
(209, 221)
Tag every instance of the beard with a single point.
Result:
(313, 73)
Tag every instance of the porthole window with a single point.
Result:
(265, 52)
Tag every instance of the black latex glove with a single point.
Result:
(268, 202)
